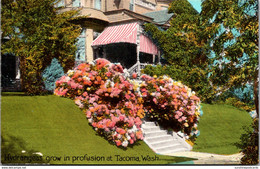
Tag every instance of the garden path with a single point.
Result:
(208, 158)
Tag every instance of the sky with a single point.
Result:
(196, 4)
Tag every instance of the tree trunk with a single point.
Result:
(256, 96)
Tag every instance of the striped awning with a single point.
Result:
(125, 33)
(147, 46)
(115, 34)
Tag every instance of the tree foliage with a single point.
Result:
(37, 33)
(232, 28)
(236, 47)
(185, 48)
(226, 28)
(182, 43)
(222, 41)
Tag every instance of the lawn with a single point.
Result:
(220, 128)
(56, 127)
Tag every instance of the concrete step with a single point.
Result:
(151, 128)
(162, 142)
(155, 133)
(149, 123)
(156, 139)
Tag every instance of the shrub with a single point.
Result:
(115, 105)
(241, 105)
(171, 103)
(195, 77)
(244, 94)
(249, 144)
(51, 74)
(198, 81)
(111, 104)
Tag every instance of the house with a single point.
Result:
(112, 30)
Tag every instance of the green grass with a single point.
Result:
(55, 126)
(220, 128)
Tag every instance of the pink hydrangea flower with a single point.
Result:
(134, 75)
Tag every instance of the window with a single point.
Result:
(81, 47)
(97, 4)
(60, 3)
(131, 5)
(95, 35)
(164, 7)
(76, 3)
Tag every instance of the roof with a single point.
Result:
(125, 33)
(166, 1)
(151, 1)
(130, 16)
(160, 17)
(93, 13)
(88, 12)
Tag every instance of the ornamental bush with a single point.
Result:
(243, 94)
(114, 104)
(249, 144)
(238, 104)
(51, 74)
(171, 103)
(194, 77)
(111, 104)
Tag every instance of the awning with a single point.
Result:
(125, 33)
(147, 46)
(115, 34)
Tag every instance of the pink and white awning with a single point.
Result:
(125, 33)
(147, 46)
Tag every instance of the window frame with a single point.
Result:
(81, 48)
(77, 5)
(95, 4)
(131, 5)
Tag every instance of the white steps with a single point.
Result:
(158, 138)
(161, 142)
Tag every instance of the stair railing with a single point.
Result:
(134, 68)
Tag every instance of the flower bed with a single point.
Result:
(112, 106)
(171, 103)
(115, 105)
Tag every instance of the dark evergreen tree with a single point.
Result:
(51, 74)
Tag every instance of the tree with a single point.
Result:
(51, 74)
(185, 48)
(38, 32)
(181, 43)
(232, 28)
(236, 47)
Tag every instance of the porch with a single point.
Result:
(128, 45)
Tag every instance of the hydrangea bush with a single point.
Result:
(111, 104)
(171, 103)
(114, 104)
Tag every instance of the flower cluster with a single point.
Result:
(171, 103)
(111, 104)
(115, 105)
